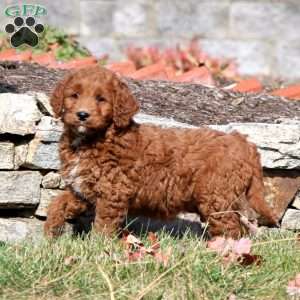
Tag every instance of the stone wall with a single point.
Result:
(29, 162)
(261, 35)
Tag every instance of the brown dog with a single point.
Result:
(115, 166)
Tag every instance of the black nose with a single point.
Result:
(82, 115)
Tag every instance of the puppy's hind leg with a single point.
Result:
(64, 207)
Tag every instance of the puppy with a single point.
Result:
(117, 167)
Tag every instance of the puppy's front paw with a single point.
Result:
(53, 231)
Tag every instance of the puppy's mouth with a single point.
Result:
(82, 129)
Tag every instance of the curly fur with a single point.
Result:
(115, 166)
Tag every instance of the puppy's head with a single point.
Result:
(91, 99)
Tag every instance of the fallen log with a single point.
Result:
(190, 103)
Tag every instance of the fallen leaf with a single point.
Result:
(234, 251)
(153, 240)
(221, 245)
(293, 287)
(247, 259)
(135, 256)
(70, 260)
(242, 246)
(163, 258)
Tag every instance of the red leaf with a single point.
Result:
(247, 259)
(163, 258)
(134, 256)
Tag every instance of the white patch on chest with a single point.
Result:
(73, 178)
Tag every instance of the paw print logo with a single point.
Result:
(24, 33)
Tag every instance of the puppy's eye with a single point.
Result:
(75, 95)
(99, 98)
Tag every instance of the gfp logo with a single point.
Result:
(25, 30)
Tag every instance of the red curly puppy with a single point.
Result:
(115, 166)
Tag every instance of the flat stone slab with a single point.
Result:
(47, 196)
(19, 189)
(20, 155)
(7, 156)
(49, 129)
(14, 230)
(51, 180)
(296, 202)
(42, 155)
(18, 114)
(280, 189)
(291, 219)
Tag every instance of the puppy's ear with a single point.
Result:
(124, 105)
(57, 96)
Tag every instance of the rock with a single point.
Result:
(291, 219)
(13, 230)
(19, 189)
(160, 121)
(6, 156)
(46, 196)
(296, 202)
(18, 114)
(278, 144)
(16, 230)
(51, 181)
(43, 102)
(280, 189)
(62, 185)
(42, 155)
(20, 155)
(49, 129)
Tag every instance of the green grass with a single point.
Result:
(100, 271)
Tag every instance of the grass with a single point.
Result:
(96, 268)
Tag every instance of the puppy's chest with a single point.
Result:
(81, 177)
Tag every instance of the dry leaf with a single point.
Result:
(134, 256)
(247, 259)
(70, 260)
(232, 297)
(242, 246)
(235, 251)
(293, 288)
(163, 258)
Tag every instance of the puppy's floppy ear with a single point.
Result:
(124, 104)
(57, 96)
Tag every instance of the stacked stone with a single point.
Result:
(29, 162)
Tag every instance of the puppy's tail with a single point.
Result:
(255, 193)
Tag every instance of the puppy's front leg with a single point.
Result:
(64, 207)
(110, 213)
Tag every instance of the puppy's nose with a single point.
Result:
(82, 115)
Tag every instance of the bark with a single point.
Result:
(189, 103)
